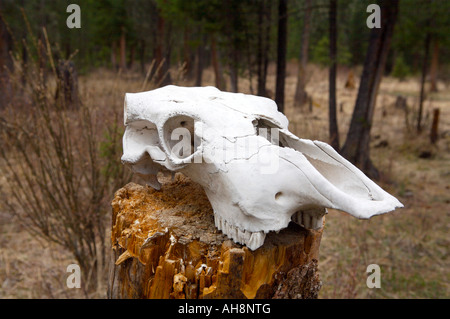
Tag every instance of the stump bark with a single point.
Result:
(165, 245)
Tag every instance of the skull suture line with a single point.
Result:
(257, 175)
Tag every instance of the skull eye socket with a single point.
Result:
(179, 136)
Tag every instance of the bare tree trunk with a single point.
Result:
(234, 78)
(434, 66)
(24, 56)
(262, 59)
(300, 97)
(200, 62)
(167, 79)
(158, 50)
(261, 85)
(130, 62)
(216, 64)
(114, 54)
(281, 54)
(123, 52)
(189, 70)
(434, 126)
(422, 81)
(234, 70)
(142, 55)
(356, 148)
(333, 126)
(162, 53)
(42, 50)
(6, 63)
(42, 57)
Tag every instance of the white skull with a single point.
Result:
(257, 175)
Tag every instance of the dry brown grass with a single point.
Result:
(46, 219)
(411, 245)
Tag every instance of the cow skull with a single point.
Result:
(257, 175)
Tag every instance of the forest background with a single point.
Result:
(379, 96)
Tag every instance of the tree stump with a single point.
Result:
(350, 83)
(165, 245)
(67, 86)
(434, 126)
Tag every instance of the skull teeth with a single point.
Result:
(252, 240)
(310, 219)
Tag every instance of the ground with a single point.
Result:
(411, 245)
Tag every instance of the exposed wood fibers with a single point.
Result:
(166, 246)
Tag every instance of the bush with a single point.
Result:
(62, 166)
(321, 53)
(401, 69)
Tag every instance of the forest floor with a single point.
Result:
(411, 245)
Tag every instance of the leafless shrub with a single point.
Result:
(62, 166)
